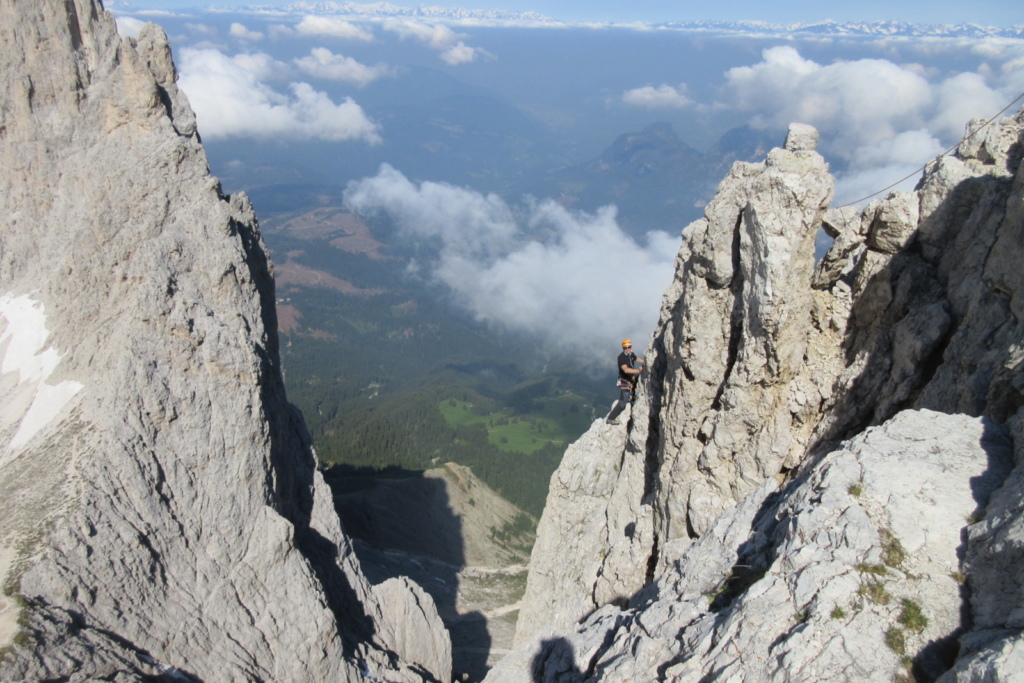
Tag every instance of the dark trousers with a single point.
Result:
(625, 396)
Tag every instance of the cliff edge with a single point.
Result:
(820, 476)
(161, 509)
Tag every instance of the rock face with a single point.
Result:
(812, 583)
(797, 493)
(718, 419)
(161, 508)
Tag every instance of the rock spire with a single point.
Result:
(814, 443)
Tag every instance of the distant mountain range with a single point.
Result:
(856, 28)
(386, 10)
(498, 16)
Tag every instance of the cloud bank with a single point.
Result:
(884, 119)
(231, 99)
(240, 31)
(453, 51)
(660, 97)
(580, 290)
(322, 63)
(333, 27)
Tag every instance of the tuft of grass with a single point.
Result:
(875, 592)
(876, 569)
(895, 640)
(911, 616)
(838, 613)
(855, 490)
(959, 577)
(893, 554)
(803, 616)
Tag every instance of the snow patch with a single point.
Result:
(23, 341)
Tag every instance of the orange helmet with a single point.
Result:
(626, 342)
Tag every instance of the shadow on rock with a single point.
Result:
(555, 662)
(403, 525)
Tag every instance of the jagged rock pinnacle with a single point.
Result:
(805, 457)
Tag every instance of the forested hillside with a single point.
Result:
(389, 375)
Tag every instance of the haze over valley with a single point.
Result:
(503, 140)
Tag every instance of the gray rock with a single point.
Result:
(161, 508)
(762, 368)
(725, 405)
(728, 359)
(892, 222)
(838, 577)
(801, 138)
(988, 657)
(594, 537)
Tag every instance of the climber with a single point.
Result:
(630, 368)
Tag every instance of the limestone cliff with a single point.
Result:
(791, 495)
(160, 508)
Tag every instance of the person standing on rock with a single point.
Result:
(630, 368)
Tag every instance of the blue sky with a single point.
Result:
(987, 12)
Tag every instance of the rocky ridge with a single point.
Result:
(162, 514)
(817, 479)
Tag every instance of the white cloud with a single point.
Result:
(231, 100)
(661, 97)
(585, 286)
(863, 184)
(460, 53)
(437, 37)
(998, 49)
(262, 66)
(908, 147)
(892, 164)
(1012, 74)
(202, 30)
(869, 101)
(278, 31)
(322, 63)
(884, 120)
(466, 221)
(959, 99)
(851, 103)
(240, 31)
(334, 27)
(129, 27)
